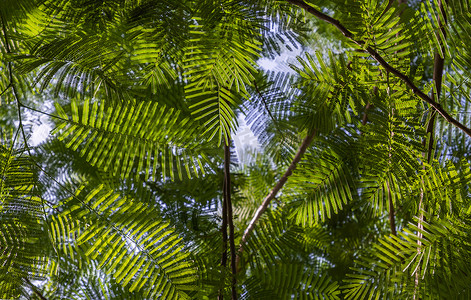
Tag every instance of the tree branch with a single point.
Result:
(227, 198)
(224, 235)
(408, 82)
(261, 209)
(228, 222)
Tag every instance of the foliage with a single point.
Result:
(127, 197)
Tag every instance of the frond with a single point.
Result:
(385, 29)
(85, 282)
(219, 66)
(456, 85)
(15, 12)
(433, 254)
(288, 281)
(86, 16)
(76, 64)
(192, 204)
(323, 184)
(283, 28)
(461, 28)
(330, 93)
(256, 179)
(93, 287)
(397, 32)
(115, 137)
(390, 148)
(444, 188)
(23, 240)
(158, 34)
(432, 28)
(216, 109)
(269, 112)
(278, 239)
(129, 242)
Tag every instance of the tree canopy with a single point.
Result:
(359, 189)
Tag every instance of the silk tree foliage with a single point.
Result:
(360, 189)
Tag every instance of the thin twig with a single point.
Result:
(408, 82)
(261, 209)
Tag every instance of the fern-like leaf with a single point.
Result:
(391, 267)
(288, 281)
(322, 186)
(23, 241)
(129, 241)
(114, 138)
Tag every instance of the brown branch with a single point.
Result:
(227, 221)
(227, 198)
(408, 82)
(224, 236)
(261, 209)
(224, 231)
